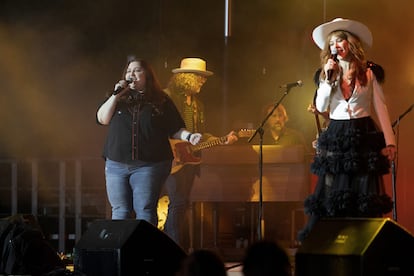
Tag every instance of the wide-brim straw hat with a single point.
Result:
(193, 65)
(320, 33)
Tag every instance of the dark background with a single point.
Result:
(58, 58)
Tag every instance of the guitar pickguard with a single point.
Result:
(184, 153)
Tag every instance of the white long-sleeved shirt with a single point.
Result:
(363, 100)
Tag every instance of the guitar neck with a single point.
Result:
(218, 141)
(318, 124)
(209, 144)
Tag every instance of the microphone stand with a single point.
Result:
(393, 169)
(260, 130)
(397, 122)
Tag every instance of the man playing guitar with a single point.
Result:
(183, 87)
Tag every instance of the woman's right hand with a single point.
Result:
(121, 87)
(331, 65)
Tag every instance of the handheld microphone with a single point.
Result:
(119, 87)
(298, 83)
(334, 56)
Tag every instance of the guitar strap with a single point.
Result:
(195, 115)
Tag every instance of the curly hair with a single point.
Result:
(186, 83)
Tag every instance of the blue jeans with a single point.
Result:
(135, 188)
(178, 187)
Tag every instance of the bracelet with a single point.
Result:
(188, 137)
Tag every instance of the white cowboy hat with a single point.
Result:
(321, 32)
(193, 65)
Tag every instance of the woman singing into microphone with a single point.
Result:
(138, 156)
(353, 152)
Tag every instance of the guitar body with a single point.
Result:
(184, 151)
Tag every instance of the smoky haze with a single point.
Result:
(59, 58)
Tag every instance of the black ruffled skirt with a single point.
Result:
(349, 166)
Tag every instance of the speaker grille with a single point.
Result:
(355, 247)
(126, 247)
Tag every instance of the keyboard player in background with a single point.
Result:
(275, 130)
(278, 135)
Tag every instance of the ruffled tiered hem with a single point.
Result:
(350, 146)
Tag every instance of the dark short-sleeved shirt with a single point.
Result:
(145, 138)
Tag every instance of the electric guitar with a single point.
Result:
(316, 113)
(184, 151)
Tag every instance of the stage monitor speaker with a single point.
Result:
(126, 247)
(356, 247)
